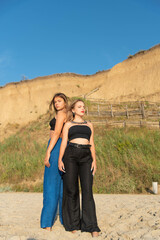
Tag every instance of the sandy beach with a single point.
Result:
(120, 217)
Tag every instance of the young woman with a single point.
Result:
(78, 161)
(52, 185)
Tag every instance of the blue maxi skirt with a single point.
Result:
(52, 189)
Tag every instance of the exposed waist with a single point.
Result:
(77, 145)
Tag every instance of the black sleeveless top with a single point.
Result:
(79, 131)
(52, 124)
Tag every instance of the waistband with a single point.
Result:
(77, 145)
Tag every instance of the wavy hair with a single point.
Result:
(61, 95)
(70, 115)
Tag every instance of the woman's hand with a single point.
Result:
(93, 167)
(46, 160)
(61, 166)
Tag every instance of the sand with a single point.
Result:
(120, 217)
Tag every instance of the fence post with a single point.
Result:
(111, 111)
(124, 124)
(159, 124)
(142, 110)
(98, 109)
(140, 123)
(87, 111)
(127, 115)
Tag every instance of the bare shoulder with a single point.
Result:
(67, 124)
(61, 115)
(90, 124)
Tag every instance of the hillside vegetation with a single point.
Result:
(127, 159)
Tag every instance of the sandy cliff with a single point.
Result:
(136, 78)
(25, 101)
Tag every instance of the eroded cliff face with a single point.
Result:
(137, 78)
(25, 101)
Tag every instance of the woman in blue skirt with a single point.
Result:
(53, 185)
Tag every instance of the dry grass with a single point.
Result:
(127, 159)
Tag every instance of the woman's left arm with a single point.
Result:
(93, 152)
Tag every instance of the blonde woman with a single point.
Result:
(79, 161)
(53, 185)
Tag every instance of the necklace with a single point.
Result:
(79, 122)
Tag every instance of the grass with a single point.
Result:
(20, 159)
(127, 159)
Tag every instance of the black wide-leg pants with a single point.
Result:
(77, 162)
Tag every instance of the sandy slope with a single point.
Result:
(120, 217)
(137, 78)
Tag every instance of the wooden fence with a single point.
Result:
(127, 111)
(125, 114)
(128, 124)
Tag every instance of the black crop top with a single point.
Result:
(79, 131)
(52, 124)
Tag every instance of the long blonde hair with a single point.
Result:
(70, 115)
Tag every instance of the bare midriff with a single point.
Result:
(80, 141)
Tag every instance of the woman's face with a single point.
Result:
(79, 109)
(59, 103)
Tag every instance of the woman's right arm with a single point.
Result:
(58, 128)
(63, 147)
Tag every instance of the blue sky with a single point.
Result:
(43, 37)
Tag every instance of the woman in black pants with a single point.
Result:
(78, 161)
